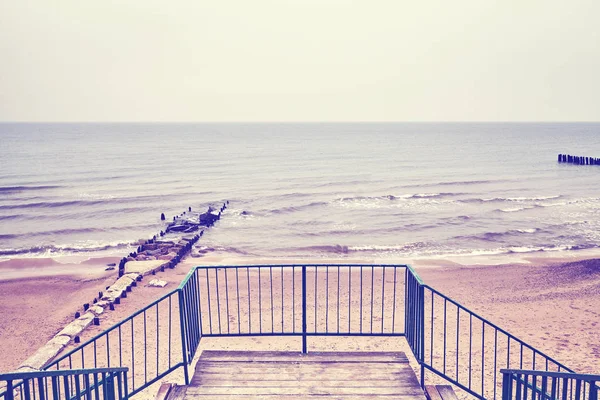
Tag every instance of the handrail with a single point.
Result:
(520, 384)
(551, 374)
(127, 343)
(86, 384)
(310, 300)
(36, 374)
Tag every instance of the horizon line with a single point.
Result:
(312, 122)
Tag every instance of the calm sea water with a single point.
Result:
(301, 190)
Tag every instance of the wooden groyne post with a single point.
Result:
(578, 160)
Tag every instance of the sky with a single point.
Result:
(299, 60)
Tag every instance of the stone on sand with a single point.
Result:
(47, 352)
(143, 267)
(76, 327)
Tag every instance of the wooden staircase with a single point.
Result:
(240, 375)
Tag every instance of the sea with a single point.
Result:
(377, 191)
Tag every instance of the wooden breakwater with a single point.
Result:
(578, 160)
(164, 250)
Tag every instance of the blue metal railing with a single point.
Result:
(520, 384)
(148, 342)
(293, 300)
(86, 384)
(306, 301)
(468, 350)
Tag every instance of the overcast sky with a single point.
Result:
(299, 60)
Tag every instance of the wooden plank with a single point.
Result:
(163, 391)
(291, 368)
(293, 391)
(446, 392)
(222, 375)
(432, 393)
(356, 376)
(178, 393)
(309, 397)
(233, 356)
(303, 382)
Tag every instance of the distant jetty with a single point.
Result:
(578, 160)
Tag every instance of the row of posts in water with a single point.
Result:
(567, 158)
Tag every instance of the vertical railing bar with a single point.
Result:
(394, 304)
(458, 341)
(145, 350)
(157, 339)
(96, 386)
(565, 388)
(120, 347)
(338, 299)
(218, 298)
(259, 302)
(119, 386)
(170, 323)
(349, 298)
(78, 386)
(26, 389)
(208, 298)
(198, 292)
(132, 358)
(361, 298)
(432, 330)
(470, 347)
(227, 299)
(282, 302)
(521, 357)
(271, 293)
(445, 330)
(294, 299)
(327, 299)
(249, 308)
(382, 297)
(237, 290)
(482, 357)
(55, 388)
(66, 385)
(95, 355)
(315, 295)
(372, 294)
(304, 344)
(495, 360)
(88, 389)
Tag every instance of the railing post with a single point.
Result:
(109, 386)
(182, 324)
(593, 391)
(9, 390)
(421, 336)
(304, 349)
(506, 386)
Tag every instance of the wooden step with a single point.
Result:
(239, 375)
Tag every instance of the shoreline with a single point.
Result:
(84, 266)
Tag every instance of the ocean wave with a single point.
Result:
(474, 182)
(491, 236)
(508, 199)
(16, 189)
(291, 209)
(50, 204)
(65, 250)
(517, 209)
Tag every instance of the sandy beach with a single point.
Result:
(550, 304)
